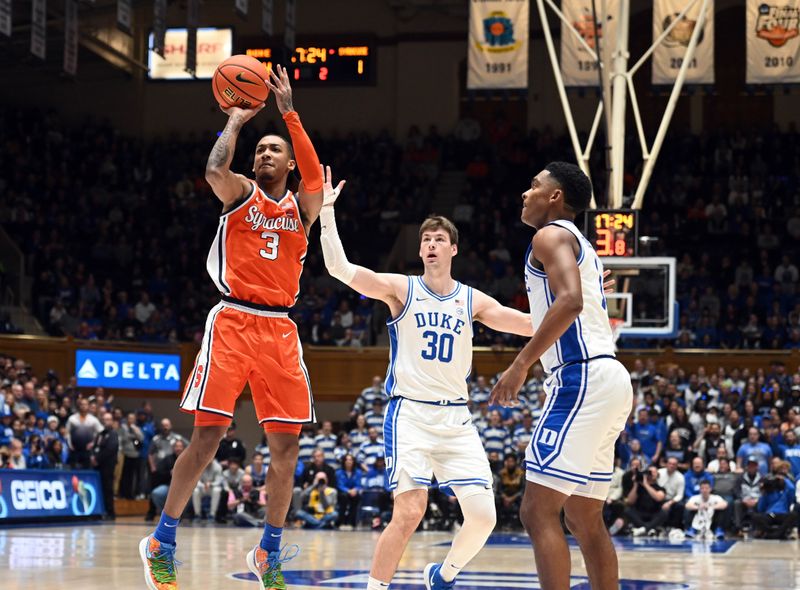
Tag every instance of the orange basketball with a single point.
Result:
(239, 82)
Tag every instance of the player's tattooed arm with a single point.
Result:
(228, 186)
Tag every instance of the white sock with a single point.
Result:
(374, 584)
(479, 520)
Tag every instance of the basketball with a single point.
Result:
(239, 82)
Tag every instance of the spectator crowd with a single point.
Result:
(706, 454)
(115, 230)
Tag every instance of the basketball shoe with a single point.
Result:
(159, 564)
(433, 579)
(266, 566)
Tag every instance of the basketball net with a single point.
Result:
(616, 329)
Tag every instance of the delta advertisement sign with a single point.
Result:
(29, 493)
(128, 370)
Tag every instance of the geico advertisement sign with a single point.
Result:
(98, 368)
(31, 494)
(38, 495)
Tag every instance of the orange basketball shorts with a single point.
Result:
(243, 345)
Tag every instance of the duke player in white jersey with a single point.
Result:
(570, 458)
(428, 430)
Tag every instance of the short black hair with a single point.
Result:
(575, 184)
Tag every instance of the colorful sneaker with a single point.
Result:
(267, 566)
(433, 580)
(159, 564)
(691, 533)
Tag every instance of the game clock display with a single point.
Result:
(613, 232)
(323, 64)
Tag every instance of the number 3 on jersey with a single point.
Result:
(271, 250)
(439, 346)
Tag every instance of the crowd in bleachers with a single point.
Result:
(708, 453)
(115, 231)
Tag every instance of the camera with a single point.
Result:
(773, 483)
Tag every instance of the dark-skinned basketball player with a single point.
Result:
(255, 261)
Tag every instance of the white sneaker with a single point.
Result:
(677, 535)
(639, 531)
(793, 536)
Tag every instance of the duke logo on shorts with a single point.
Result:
(428, 430)
(588, 391)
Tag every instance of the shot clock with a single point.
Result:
(322, 64)
(613, 232)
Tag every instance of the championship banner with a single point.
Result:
(124, 16)
(267, 12)
(43, 494)
(5, 17)
(39, 28)
(288, 32)
(578, 66)
(159, 26)
(668, 56)
(192, 19)
(773, 42)
(497, 51)
(241, 7)
(71, 37)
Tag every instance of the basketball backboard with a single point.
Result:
(645, 296)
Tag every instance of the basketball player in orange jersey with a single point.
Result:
(255, 261)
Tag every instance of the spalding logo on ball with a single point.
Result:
(239, 82)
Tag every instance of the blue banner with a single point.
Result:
(128, 370)
(31, 493)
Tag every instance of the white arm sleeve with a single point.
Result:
(332, 251)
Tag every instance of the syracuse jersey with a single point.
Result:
(255, 261)
(258, 252)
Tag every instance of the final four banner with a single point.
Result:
(578, 67)
(39, 28)
(668, 56)
(773, 42)
(159, 26)
(5, 17)
(71, 37)
(267, 13)
(498, 44)
(192, 20)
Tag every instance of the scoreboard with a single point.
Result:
(322, 64)
(613, 232)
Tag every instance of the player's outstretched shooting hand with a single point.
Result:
(329, 192)
(507, 387)
(280, 86)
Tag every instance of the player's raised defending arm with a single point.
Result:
(392, 289)
(227, 185)
(488, 311)
(554, 249)
(310, 193)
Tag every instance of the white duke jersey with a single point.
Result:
(589, 336)
(431, 345)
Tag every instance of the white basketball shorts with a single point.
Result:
(572, 447)
(427, 440)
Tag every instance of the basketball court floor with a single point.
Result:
(103, 556)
